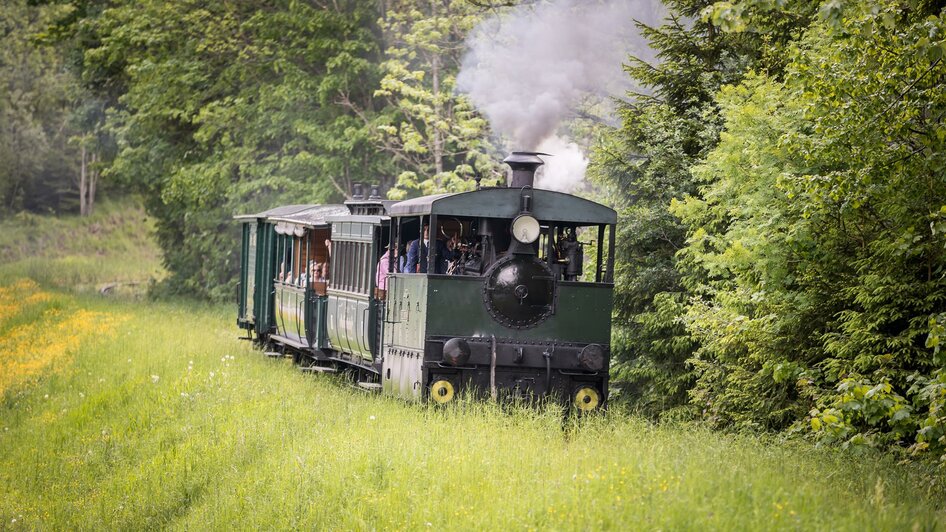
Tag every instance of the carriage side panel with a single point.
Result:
(351, 316)
(289, 314)
(405, 319)
(264, 297)
(315, 321)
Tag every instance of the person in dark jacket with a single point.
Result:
(417, 254)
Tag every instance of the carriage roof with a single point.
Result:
(277, 211)
(304, 215)
(504, 203)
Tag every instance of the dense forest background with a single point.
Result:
(780, 173)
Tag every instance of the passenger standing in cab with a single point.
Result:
(417, 254)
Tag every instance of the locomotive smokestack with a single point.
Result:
(524, 165)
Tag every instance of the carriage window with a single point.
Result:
(362, 267)
(353, 271)
(577, 253)
(284, 257)
(356, 269)
(296, 260)
(349, 266)
(316, 252)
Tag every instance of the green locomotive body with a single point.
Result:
(504, 304)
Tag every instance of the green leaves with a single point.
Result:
(646, 165)
(45, 117)
(808, 249)
(234, 107)
(435, 135)
(808, 256)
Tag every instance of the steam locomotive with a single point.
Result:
(505, 304)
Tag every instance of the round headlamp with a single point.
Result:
(592, 357)
(525, 228)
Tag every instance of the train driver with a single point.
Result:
(417, 253)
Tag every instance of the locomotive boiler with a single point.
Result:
(487, 291)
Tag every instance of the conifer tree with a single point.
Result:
(646, 164)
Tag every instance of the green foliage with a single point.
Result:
(436, 137)
(233, 107)
(644, 166)
(814, 245)
(781, 261)
(863, 414)
(41, 111)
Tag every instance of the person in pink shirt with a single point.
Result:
(381, 278)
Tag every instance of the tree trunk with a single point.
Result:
(438, 135)
(83, 183)
(435, 79)
(93, 179)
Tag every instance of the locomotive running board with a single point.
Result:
(318, 369)
(289, 342)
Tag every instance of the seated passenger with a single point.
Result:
(306, 277)
(417, 254)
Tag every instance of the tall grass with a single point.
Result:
(169, 420)
(112, 247)
(155, 415)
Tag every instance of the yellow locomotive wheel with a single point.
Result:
(442, 391)
(587, 399)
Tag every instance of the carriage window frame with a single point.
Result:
(351, 272)
(283, 259)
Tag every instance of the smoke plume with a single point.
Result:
(529, 70)
(563, 172)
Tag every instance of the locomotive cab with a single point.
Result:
(517, 308)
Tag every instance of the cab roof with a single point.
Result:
(547, 205)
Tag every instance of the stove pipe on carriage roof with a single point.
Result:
(524, 164)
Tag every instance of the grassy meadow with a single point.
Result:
(112, 247)
(118, 413)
